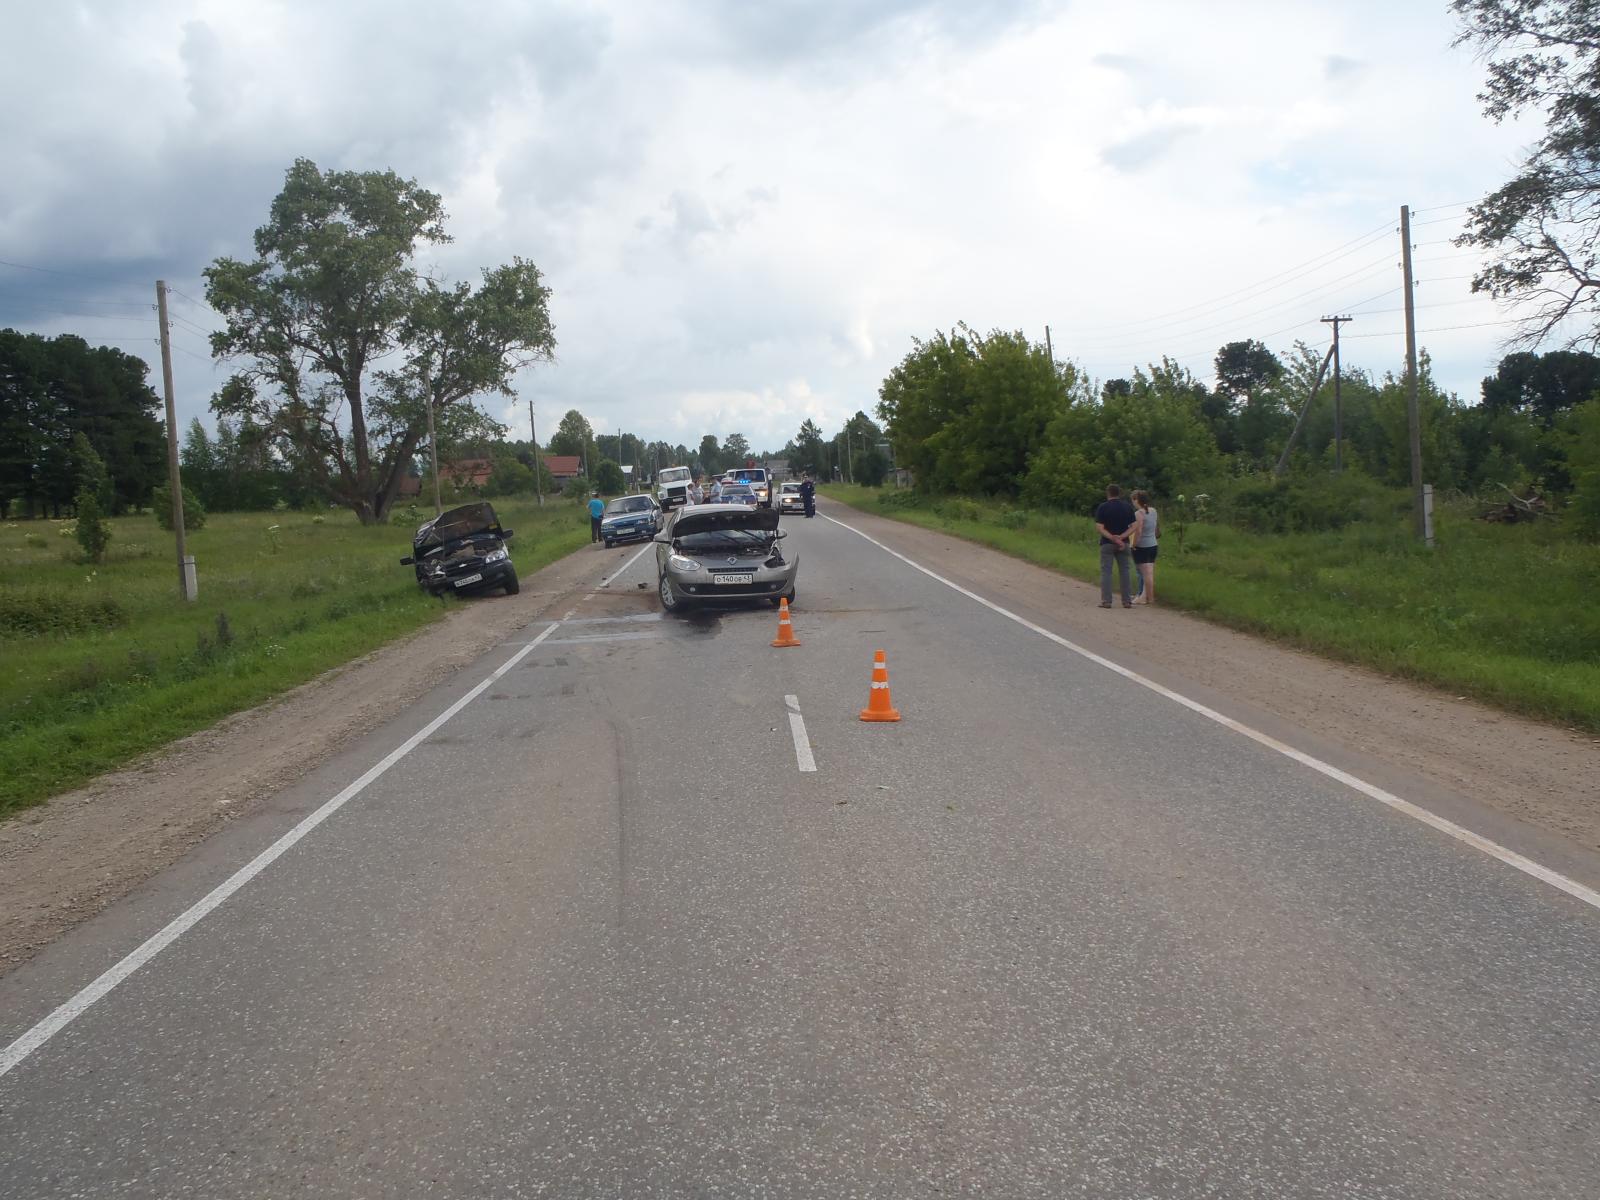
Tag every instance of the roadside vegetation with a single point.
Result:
(1504, 614)
(103, 662)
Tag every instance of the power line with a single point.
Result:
(67, 274)
(1260, 287)
(1363, 272)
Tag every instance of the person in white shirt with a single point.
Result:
(1146, 528)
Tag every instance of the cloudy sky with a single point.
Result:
(747, 208)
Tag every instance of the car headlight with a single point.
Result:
(496, 555)
(679, 563)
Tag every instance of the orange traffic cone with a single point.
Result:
(786, 635)
(879, 706)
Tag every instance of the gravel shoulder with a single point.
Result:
(63, 862)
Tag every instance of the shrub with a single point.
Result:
(194, 513)
(31, 614)
(1308, 503)
(92, 532)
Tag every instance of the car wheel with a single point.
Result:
(609, 543)
(669, 598)
(513, 584)
(790, 597)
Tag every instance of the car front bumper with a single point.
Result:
(612, 533)
(495, 575)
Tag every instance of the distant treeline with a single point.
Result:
(992, 415)
(52, 389)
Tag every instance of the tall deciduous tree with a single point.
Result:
(1544, 223)
(574, 435)
(332, 293)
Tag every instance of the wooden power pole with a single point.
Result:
(1413, 412)
(538, 483)
(186, 580)
(1338, 407)
(433, 438)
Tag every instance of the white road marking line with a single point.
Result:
(604, 637)
(608, 582)
(636, 617)
(797, 730)
(14, 1054)
(1494, 849)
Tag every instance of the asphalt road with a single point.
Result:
(598, 934)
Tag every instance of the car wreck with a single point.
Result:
(463, 550)
(723, 553)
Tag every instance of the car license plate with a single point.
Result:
(466, 579)
(735, 579)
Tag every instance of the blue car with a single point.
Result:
(629, 517)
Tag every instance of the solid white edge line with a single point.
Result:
(605, 583)
(797, 730)
(1494, 849)
(14, 1054)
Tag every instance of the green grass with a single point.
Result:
(100, 664)
(1506, 614)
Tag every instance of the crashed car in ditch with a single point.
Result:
(463, 550)
(721, 554)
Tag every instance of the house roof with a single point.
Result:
(563, 466)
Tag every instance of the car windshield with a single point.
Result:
(674, 475)
(752, 475)
(629, 504)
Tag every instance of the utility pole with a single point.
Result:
(849, 460)
(538, 483)
(1048, 348)
(186, 577)
(433, 438)
(1413, 412)
(1338, 409)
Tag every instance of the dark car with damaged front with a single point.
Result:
(723, 553)
(463, 550)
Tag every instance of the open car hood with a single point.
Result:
(706, 518)
(456, 523)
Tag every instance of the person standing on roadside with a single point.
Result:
(1114, 519)
(597, 507)
(1146, 528)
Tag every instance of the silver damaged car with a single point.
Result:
(723, 553)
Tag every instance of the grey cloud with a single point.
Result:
(1127, 64)
(1145, 148)
(1336, 67)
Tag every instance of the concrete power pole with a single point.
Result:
(1338, 408)
(186, 576)
(538, 460)
(1048, 348)
(1413, 412)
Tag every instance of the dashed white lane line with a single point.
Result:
(1494, 849)
(797, 730)
(14, 1054)
(612, 579)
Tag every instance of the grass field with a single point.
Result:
(99, 664)
(1506, 614)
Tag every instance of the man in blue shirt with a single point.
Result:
(597, 506)
(1114, 519)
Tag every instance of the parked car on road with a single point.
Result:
(629, 517)
(789, 497)
(723, 553)
(463, 550)
(739, 493)
(758, 481)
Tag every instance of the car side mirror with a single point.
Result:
(664, 538)
(407, 561)
(506, 535)
(782, 533)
